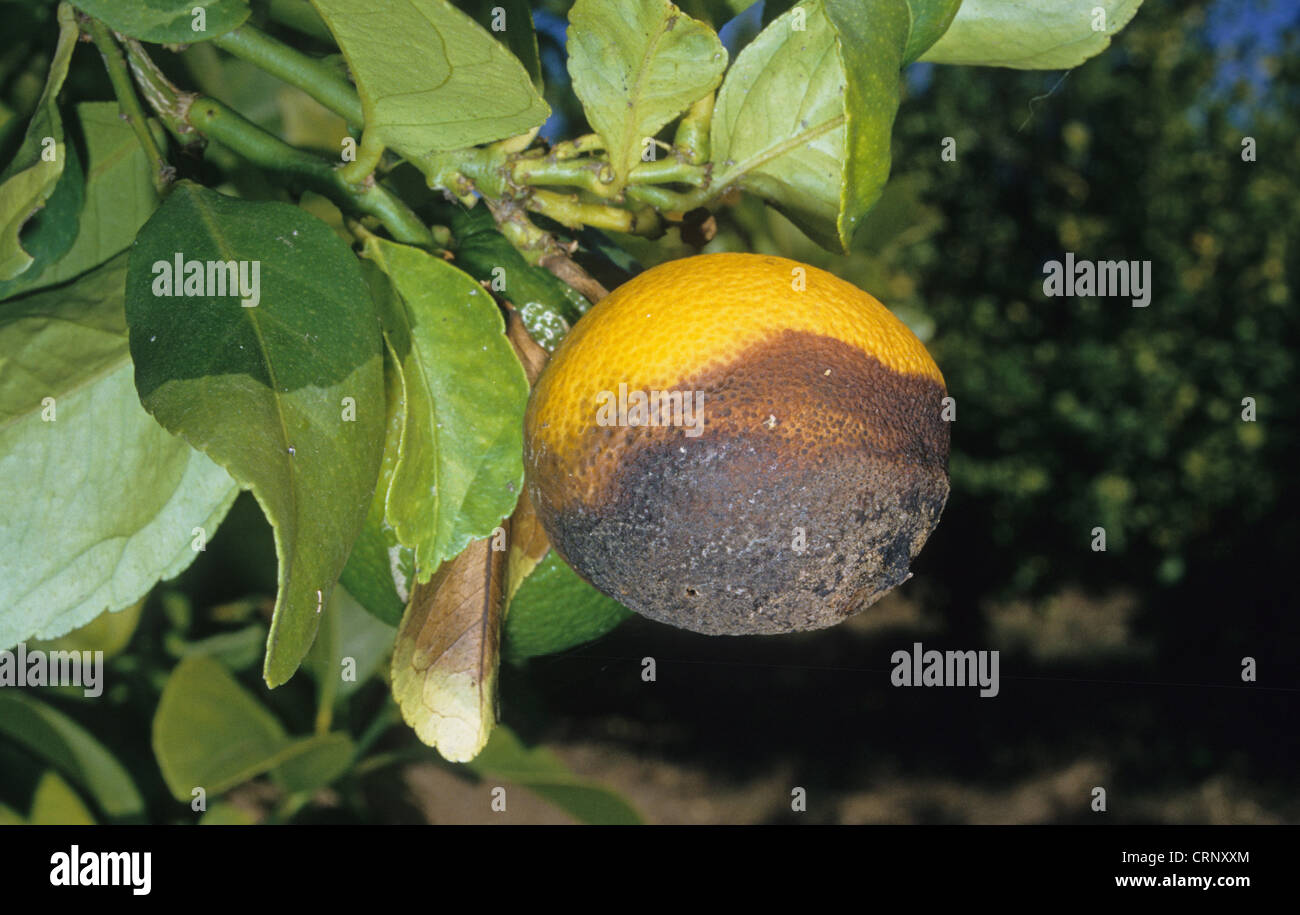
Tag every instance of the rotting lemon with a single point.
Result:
(795, 466)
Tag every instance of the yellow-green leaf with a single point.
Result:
(430, 78)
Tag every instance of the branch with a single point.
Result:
(570, 211)
(570, 271)
(215, 120)
(129, 103)
(309, 74)
(168, 102)
(593, 175)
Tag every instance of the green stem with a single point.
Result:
(591, 175)
(380, 760)
(669, 171)
(318, 80)
(464, 171)
(533, 243)
(215, 120)
(369, 154)
(571, 149)
(129, 103)
(692, 136)
(664, 200)
(574, 213)
(388, 717)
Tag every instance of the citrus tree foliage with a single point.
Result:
(292, 257)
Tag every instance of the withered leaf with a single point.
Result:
(448, 651)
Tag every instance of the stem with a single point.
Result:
(571, 149)
(670, 171)
(570, 273)
(129, 103)
(692, 136)
(463, 171)
(520, 231)
(662, 199)
(369, 154)
(573, 213)
(215, 120)
(318, 80)
(591, 175)
(387, 717)
(380, 760)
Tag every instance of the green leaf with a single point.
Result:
(547, 306)
(108, 632)
(363, 639)
(73, 750)
(717, 12)
(169, 21)
(209, 733)
(288, 395)
(543, 773)
(930, 19)
(54, 803)
(369, 574)
(513, 26)
(554, 610)
(870, 39)
(460, 468)
(313, 762)
(637, 64)
(236, 650)
(429, 77)
(804, 116)
(380, 570)
(119, 196)
(1031, 34)
(88, 534)
(225, 814)
(29, 180)
(51, 232)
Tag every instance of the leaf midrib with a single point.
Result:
(225, 247)
(740, 170)
(634, 96)
(737, 172)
